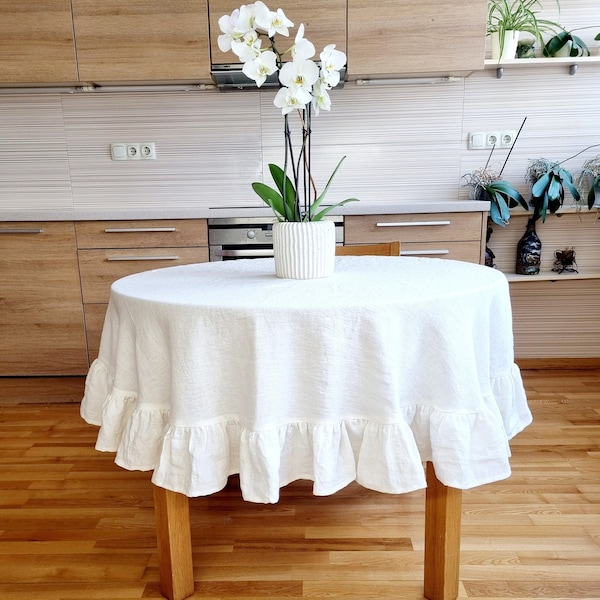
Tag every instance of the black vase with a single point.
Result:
(529, 251)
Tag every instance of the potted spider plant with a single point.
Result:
(507, 18)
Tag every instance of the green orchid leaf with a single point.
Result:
(495, 215)
(568, 183)
(502, 213)
(591, 198)
(556, 43)
(327, 210)
(320, 199)
(578, 47)
(539, 187)
(288, 192)
(270, 197)
(513, 196)
(554, 187)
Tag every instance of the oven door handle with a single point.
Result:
(245, 253)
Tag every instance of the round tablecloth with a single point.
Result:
(213, 369)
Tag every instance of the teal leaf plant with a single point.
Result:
(487, 184)
(304, 89)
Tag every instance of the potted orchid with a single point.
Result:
(303, 243)
(304, 89)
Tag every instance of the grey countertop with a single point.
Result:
(358, 208)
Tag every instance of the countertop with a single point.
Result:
(355, 208)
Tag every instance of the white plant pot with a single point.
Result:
(509, 50)
(304, 250)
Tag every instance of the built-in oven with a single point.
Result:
(231, 238)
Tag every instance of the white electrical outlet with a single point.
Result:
(492, 139)
(133, 151)
(507, 138)
(147, 150)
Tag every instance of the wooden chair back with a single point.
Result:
(384, 249)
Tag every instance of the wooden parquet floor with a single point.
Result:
(73, 526)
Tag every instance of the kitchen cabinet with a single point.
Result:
(109, 250)
(458, 236)
(36, 42)
(556, 316)
(324, 23)
(141, 40)
(415, 36)
(41, 315)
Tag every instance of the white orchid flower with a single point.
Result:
(299, 73)
(260, 67)
(272, 22)
(228, 25)
(234, 27)
(291, 98)
(302, 47)
(321, 98)
(248, 47)
(332, 59)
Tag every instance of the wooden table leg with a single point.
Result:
(442, 538)
(174, 543)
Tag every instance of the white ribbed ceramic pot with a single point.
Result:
(304, 250)
(509, 47)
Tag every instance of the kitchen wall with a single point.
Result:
(403, 143)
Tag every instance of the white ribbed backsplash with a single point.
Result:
(403, 143)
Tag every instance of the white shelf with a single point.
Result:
(571, 62)
(552, 276)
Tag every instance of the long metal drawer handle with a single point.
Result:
(258, 252)
(138, 229)
(420, 252)
(115, 258)
(17, 230)
(413, 224)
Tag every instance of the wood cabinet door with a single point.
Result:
(142, 40)
(415, 36)
(41, 310)
(36, 42)
(324, 23)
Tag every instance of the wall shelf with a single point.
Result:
(570, 62)
(552, 276)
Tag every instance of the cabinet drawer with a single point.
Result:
(142, 234)
(467, 251)
(99, 268)
(364, 229)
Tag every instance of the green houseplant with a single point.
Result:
(517, 16)
(487, 184)
(548, 181)
(566, 43)
(304, 90)
(589, 178)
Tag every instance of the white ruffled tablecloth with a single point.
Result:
(213, 369)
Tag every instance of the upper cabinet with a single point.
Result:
(36, 42)
(111, 41)
(141, 40)
(415, 36)
(324, 23)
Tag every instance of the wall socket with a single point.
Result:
(133, 151)
(490, 139)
